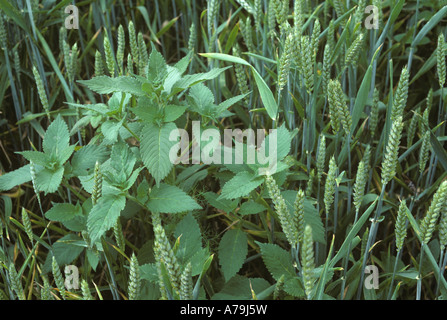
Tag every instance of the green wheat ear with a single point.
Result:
(119, 236)
(337, 104)
(247, 33)
(15, 281)
(258, 15)
(401, 95)
(86, 294)
(41, 92)
(314, 39)
(3, 34)
(307, 261)
(424, 152)
(284, 62)
(392, 151)
(440, 58)
(134, 278)
(443, 227)
(360, 183)
(241, 76)
(329, 188)
(27, 225)
(99, 65)
(400, 229)
(282, 211)
(271, 20)
(133, 44)
(298, 214)
(192, 38)
(186, 285)
(321, 157)
(167, 257)
(120, 49)
(58, 278)
(307, 63)
(142, 53)
(326, 72)
(109, 56)
(45, 293)
(429, 222)
(353, 52)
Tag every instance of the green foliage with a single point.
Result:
(232, 252)
(90, 125)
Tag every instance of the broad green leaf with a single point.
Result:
(190, 245)
(155, 149)
(251, 207)
(240, 185)
(63, 212)
(48, 180)
(170, 199)
(233, 249)
(85, 158)
(157, 67)
(105, 85)
(225, 205)
(56, 140)
(104, 214)
(278, 261)
(37, 157)
(173, 112)
(14, 178)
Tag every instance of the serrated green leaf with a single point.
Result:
(278, 261)
(106, 85)
(104, 214)
(85, 158)
(110, 130)
(170, 199)
(63, 212)
(14, 178)
(225, 205)
(56, 140)
(240, 185)
(173, 112)
(157, 67)
(190, 245)
(36, 157)
(251, 207)
(48, 180)
(155, 149)
(233, 249)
